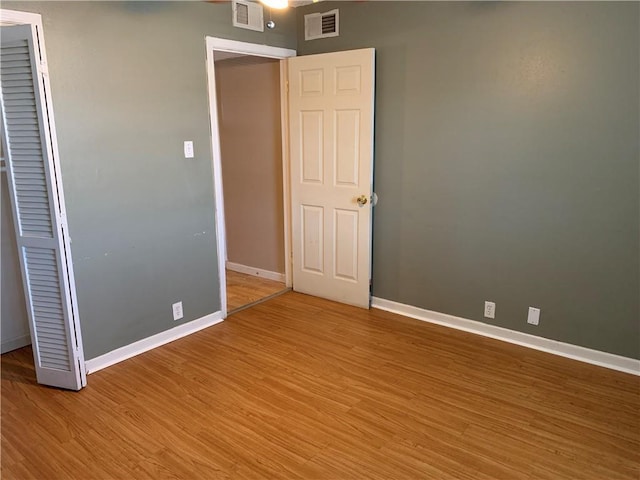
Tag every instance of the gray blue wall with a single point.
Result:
(506, 160)
(129, 86)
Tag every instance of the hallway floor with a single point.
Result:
(244, 290)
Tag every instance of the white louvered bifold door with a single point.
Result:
(38, 211)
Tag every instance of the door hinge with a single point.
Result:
(287, 85)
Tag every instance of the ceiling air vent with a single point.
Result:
(321, 25)
(248, 15)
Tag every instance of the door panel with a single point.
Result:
(37, 204)
(331, 99)
(347, 153)
(312, 125)
(313, 239)
(346, 244)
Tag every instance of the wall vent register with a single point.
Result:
(249, 15)
(321, 25)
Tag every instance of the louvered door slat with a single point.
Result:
(16, 90)
(28, 159)
(40, 287)
(20, 98)
(14, 113)
(29, 194)
(17, 58)
(16, 55)
(23, 146)
(35, 195)
(50, 330)
(19, 102)
(27, 169)
(54, 337)
(19, 106)
(25, 122)
(41, 278)
(37, 224)
(29, 184)
(52, 303)
(25, 135)
(37, 218)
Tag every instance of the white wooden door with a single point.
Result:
(331, 111)
(37, 201)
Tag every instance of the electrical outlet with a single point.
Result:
(188, 149)
(177, 311)
(534, 316)
(489, 309)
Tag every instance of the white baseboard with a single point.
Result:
(14, 343)
(146, 344)
(256, 272)
(595, 357)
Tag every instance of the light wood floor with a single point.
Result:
(243, 289)
(298, 387)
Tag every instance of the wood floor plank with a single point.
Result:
(299, 387)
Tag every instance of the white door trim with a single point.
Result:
(14, 17)
(225, 45)
(286, 176)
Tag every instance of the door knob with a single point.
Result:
(362, 200)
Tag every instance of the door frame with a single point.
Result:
(15, 17)
(254, 49)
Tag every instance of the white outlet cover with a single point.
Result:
(489, 310)
(534, 316)
(177, 311)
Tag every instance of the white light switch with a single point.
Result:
(188, 149)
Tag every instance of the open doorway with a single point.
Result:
(248, 111)
(249, 122)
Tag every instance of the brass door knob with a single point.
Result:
(362, 200)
